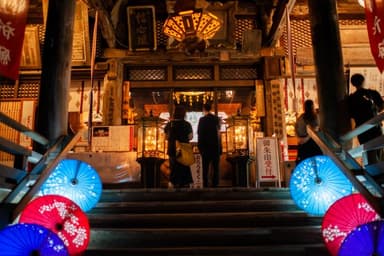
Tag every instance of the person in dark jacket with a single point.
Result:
(178, 129)
(209, 144)
(364, 104)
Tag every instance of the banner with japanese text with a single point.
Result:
(13, 19)
(268, 159)
(374, 14)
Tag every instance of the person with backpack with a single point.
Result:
(363, 105)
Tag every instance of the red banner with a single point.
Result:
(13, 18)
(374, 13)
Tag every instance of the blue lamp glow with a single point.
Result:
(75, 180)
(30, 239)
(365, 240)
(316, 183)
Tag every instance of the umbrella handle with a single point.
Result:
(74, 181)
(317, 178)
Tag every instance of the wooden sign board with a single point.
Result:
(268, 160)
(141, 28)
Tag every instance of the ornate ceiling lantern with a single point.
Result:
(192, 28)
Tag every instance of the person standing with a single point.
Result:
(209, 145)
(364, 104)
(307, 147)
(178, 129)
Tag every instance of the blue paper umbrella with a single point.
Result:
(365, 240)
(316, 183)
(75, 180)
(29, 240)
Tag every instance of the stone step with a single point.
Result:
(145, 195)
(259, 205)
(208, 237)
(215, 219)
(286, 250)
(223, 221)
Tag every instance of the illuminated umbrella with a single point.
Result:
(76, 180)
(365, 240)
(316, 183)
(62, 216)
(29, 240)
(344, 216)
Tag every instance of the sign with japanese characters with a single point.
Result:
(13, 18)
(268, 159)
(374, 13)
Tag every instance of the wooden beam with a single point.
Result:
(278, 19)
(191, 84)
(105, 22)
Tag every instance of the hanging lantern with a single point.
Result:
(239, 135)
(151, 137)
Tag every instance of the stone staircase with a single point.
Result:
(224, 221)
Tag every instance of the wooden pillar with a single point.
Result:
(331, 83)
(52, 113)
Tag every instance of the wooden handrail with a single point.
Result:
(362, 128)
(23, 129)
(13, 148)
(374, 194)
(45, 174)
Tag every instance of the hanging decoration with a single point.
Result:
(76, 180)
(62, 216)
(344, 216)
(13, 19)
(29, 240)
(192, 28)
(374, 14)
(193, 97)
(316, 183)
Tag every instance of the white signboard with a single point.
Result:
(268, 160)
(197, 172)
(113, 138)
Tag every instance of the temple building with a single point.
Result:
(98, 80)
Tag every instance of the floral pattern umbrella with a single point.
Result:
(344, 216)
(76, 180)
(316, 183)
(30, 240)
(62, 216)
(364, 240)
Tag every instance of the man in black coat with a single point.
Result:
(209, 144)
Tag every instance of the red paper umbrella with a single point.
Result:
(62, 216)
(343, 217)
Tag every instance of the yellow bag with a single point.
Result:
(184, 153)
